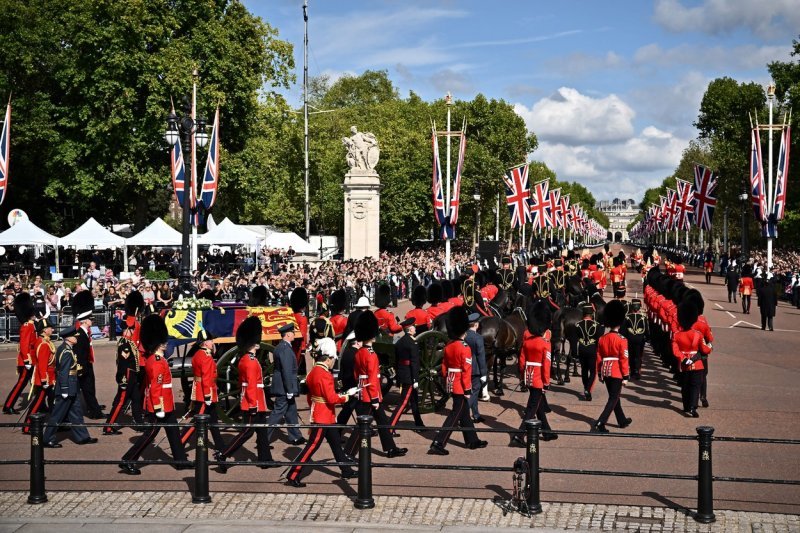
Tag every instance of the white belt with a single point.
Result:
(260, 386)
(244, 384)
(166, 386)
(689, 353)
(363, 376)
(453, 370)
(610, 358)
(533, 364)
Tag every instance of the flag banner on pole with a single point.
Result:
(5, 152)
(178, 170)
(757, 190)
(781, 178)
(661, 213)
(671, 209)
(455, 198)
(705, 201)
(446, 230)
(208, 192)
(685, 207)
(565, 212)
(518, 195)
(555, 203)
(540, 202)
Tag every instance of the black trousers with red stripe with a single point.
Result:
(199, 408)
(387, 441)
(614, 388)
(314, 442)
(23, 377)
(42, 403)
(262, 437)
(154, 425)
(408, 398)
(127, 394)
(536, 407)
(459, 416)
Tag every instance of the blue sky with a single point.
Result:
(610, 87)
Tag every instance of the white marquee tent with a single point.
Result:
(286, 239)
(226, 232)
(28, 233)
(90, 235)
(159, 233)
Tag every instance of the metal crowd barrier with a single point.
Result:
(364, 500)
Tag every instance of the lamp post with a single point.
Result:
(477, 197)
(192, 131)
(744, 197)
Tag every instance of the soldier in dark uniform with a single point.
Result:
(82, 309)
(285, 388)
(480, 372)
(128, 392)
(589, 332)
(636, 330)
(408, 363)
(347, 377)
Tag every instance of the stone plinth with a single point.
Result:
(362, 210)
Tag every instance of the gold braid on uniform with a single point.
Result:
(125, 343)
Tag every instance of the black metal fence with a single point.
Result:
(200, 490)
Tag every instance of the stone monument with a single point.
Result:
(362, 205)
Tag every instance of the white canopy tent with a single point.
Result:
(28, 233)
(92, 235)
(159, 233)
(226, 232)
(284, 240)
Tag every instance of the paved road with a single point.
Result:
(752, 392)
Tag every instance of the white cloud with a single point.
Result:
(674, 105)
(451, 80)
(745, 57)
(579, 63)
(772, 19)
(571, 118)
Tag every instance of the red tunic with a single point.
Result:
(617, 275)
(436, 310)
(367, 372)
(680, 270)
(685, 345)
(489, 292)
(339, 322)
(301, 340)
(159, 386)
(612, 356)
(534, 362)
(27, 341)
(45, 362)
(322, 396)
(702, 326)
(387, 321)
(457, 367)
(421, 317)
(205, 377)
(746, 286)
(251, 381)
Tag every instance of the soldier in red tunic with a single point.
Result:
(322, 398)
(254, 402)
(337, 303)
(44, 373)
(298, 301)
(689, 349)
(435, 297)
(612, 365)
(159, 401)
(701, 325)
(422, 320)
(23, 308)
(204, 393)
(457, 371)
(387, 322)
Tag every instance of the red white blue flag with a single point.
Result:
(447, 218)
(518, 195)
(565, 212)
(178, 171)
(455, 197)
(208, 193)
(705, 200)
(555, 206)
(685, 208)
(782, 175)
(757, 190)
(5, 152)
(540, 206)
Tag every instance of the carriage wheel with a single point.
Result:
(228, 379)
(432, 394)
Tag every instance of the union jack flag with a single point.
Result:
(5, 152)
(573, 217)
(685, 211)
(455, 198)
(757, 190)
(555, 203)
(518, 195)
(782, 175)
(540, 206)
(705, 185)
(440, 212)
(565, 212)
(178, 172)
(670, 210)
(208, 193)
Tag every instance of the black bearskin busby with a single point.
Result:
(337, 301)
(23, 307)
(383, 296)
(134, 303)
(614, 314)
(366, 327)
(82, 305)
(687, 315)
(258, 296)
(539, 318)
(457, 284)
(248, 333)
(447, 290)
(299, 299)
(457, 322)
(419, 296)
(435, 293)
(694, 297)
(153, 333)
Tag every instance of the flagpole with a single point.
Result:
(770, 191)
(194, 173)
(497, 219)
(448, 101)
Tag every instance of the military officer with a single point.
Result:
(688, 347)
(128, 390)
(612, 365)
(387, 322)
(480, 373)
(23, 308)
(82, 309)
(204, 393)
(636, 330)
(589, 333)
(44, 372)
(298, 301)
(408, 363)
(285, 387)
(347, 376)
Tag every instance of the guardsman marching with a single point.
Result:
(387, 322)
(408, 364)
(128, 386)
(204, 393)
(422, 320)
(367, 371)
(23, 308)
(636, 330)
(457, 371)
(617, 275)
(159, 402)
(612, 366)
(701, 325)
(337, 303)
(322, 399)
(589, 333)
(448, 294)
(435, 298)
(253, 402)
(298, 301)
(82, 309)
(689, 349)
(44, 372)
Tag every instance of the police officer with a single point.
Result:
(285, 387)
(589, 333)
(408, 363)
(636, 330)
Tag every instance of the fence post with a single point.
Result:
(365, 499)
(37, 493)
(705, 479)
(201, 459)
(532, 430)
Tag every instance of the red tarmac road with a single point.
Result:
(752, 391)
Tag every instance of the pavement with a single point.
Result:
(753, 393)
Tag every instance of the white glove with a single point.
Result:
(352, 391)
(416, 385)
(45, 385)
(208, 402)
(160, 414)
(28, 366)
(289, 396)
(64, 395)
(483, 379)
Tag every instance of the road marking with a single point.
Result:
(730, 314)
(9, 359)
(719, 307)
(743, 322)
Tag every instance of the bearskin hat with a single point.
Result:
(694, 297)
(457, 322)
(617, 261)
(678, 260)
(457, 284)
(539, 318)
(383, 296)
(82, 305)
(447, 289)
(366, 327)
(299, 299)
(134, 303)
(687, 315)
(435, 293)
(258, 296)
(337, 301)
(480, 280)
(679, 291)
(153, 333)
(23, 307)
(747, 271)
(614, 314)
(419, 296)
(520, 276)
(248, 333)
